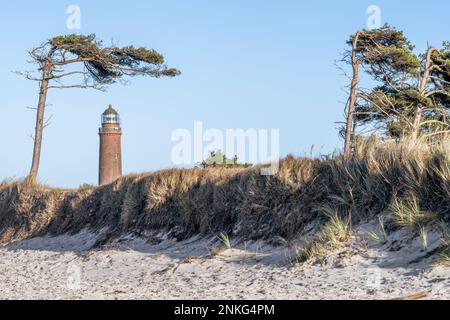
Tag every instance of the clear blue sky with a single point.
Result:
(246, 64)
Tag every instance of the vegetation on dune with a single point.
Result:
(218, 159)
(410, 98)
(409, 182)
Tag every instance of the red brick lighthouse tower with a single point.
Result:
(110, 147)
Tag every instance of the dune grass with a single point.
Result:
(380, 235)
(408, 182)
(407, 213)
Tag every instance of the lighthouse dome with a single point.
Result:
(110, 116)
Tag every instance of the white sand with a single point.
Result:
(65, 268)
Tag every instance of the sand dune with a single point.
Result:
(66, 268)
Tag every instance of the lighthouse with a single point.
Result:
(110, 168)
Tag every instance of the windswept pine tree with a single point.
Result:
(94, 66)
(387, 56)
(412, 97)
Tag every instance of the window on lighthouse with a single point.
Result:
(110, 118)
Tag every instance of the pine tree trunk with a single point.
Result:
(349, 131)
(417, 123)
(422, 91)
(32, 177)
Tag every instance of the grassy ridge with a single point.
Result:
(408, 181)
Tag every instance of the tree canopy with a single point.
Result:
(385, 53)
(412, 94)
(102, 65)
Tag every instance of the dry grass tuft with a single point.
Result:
(333, 235)
(407, 213)
(225, 240)
(445, 256)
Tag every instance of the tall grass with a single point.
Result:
(407, 213)
(225, 239)
(380, 235)
(408, 180)
(335, 233)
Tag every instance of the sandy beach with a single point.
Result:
(66, 267)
